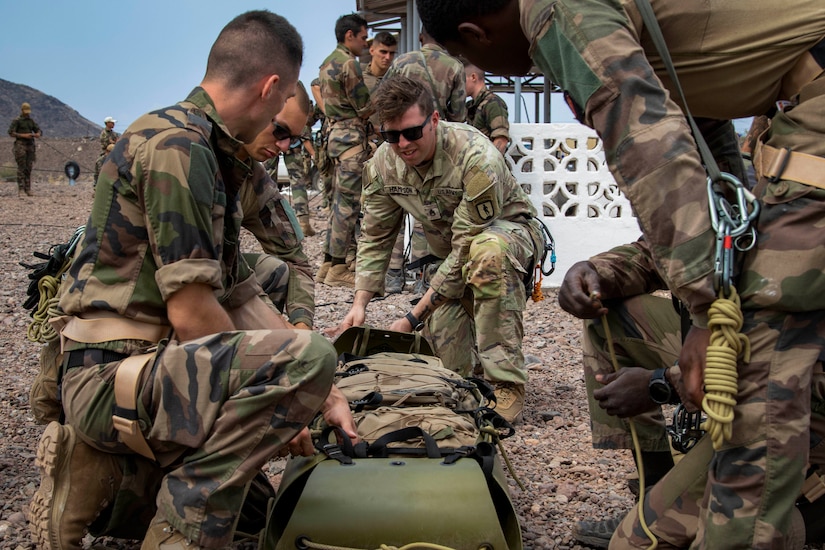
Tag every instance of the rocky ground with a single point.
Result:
(564, 479)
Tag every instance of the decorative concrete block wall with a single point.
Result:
(563, 169)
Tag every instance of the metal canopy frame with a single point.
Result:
(401, 17)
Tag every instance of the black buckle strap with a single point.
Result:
(91, 356)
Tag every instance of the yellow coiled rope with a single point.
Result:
(727, 344)
(39, 329)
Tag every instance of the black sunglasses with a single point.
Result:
(282, 132)
(410, 134)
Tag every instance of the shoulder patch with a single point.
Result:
(482, 197)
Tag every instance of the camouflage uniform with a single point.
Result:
(107, 137)
(488, 113)
(444, 74)
(613, 78)
(480, 222)
(25, 150)
(347, 107)
(284, 271)
(167, 214)
(297, 161)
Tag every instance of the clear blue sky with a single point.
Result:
(123, 58)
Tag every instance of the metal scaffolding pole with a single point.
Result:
(517, 91)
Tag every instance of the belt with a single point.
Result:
(91, 356)
(776, 164)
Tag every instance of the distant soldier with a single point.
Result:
(298, 162)
(383, 48)
(108, 138)
(348, 108)
(321, 157)
(24, 130)
(487, 111)
(475, 215)
(443, 74)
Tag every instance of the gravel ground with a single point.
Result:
(564, 479)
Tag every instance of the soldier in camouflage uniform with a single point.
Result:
(347, 107)
(383, 49)
(108, 138)
(444, 75)
(24, 130)
(487, 111)
(321, 158)
(449, 177)
(284, 270)
(298, 161)
(748, 57)
(159, 281)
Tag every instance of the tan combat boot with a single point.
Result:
(306, 227)
(322, 272)
(162, 536)
(77, 482)
(509, 401)
(340, 275)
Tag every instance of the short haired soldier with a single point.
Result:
(443, 74)
(734, 59)
(347, 107)
(171, 356)
(487, 111)
(449, 177)
(24, 130)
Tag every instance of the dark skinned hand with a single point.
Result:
(625, 392)
(580, 293)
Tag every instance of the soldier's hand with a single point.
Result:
(301, 326)
(355, 318)
(625, 393)
(692, 364)
(336, 412)
(300, 445)
(580, 293)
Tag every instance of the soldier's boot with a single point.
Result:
(394, 281)
(510, 401)
(340, 275)
(306, 226)
(162, 536)
(322, 272)
(77, 482)
(597, 534)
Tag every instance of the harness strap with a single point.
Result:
(784, 164)
(124, 416)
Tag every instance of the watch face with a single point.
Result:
(659, 391)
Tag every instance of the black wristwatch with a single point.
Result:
(414, 322)
(660, 390)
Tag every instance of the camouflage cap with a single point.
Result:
(26, 108)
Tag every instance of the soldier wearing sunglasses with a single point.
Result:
(476, 218)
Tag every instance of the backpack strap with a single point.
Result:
(380, 449)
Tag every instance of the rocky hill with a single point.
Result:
(56, 119)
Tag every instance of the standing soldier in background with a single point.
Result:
(443, 75)
(487, 112)
(24, 130)
(321, 157)
(298, 161)
(108, 138)
(347, 107)
(383, 48)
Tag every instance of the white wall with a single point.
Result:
(562, 168)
